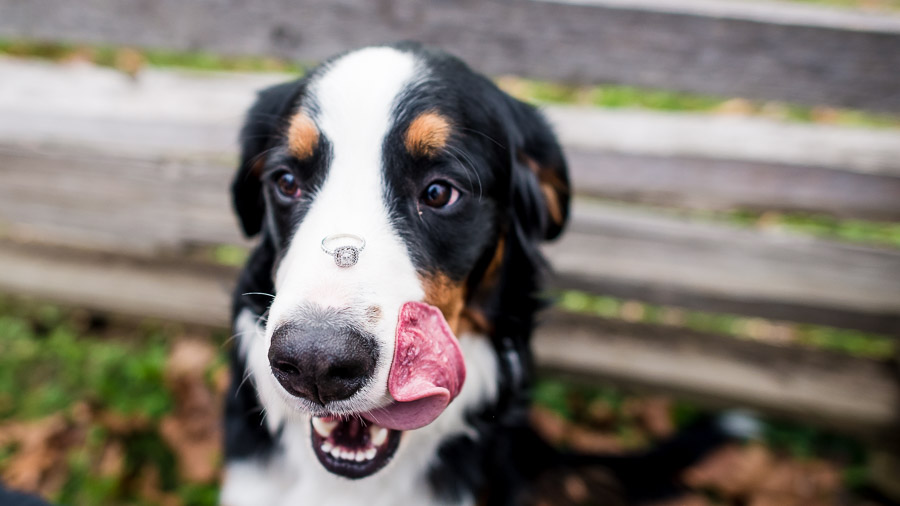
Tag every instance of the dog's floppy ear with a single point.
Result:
(540, 179)
(263, 125)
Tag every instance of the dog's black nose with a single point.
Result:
(320, 364)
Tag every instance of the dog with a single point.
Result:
(383, 320)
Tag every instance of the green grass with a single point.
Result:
(130, 60)
(621, 97)
(851, 342)
(872, 233)
(889, 6)
(57, 361)
(119, 57)
(52, 359)
(856, 231)
(47, 362)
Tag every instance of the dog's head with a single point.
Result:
(424, 176)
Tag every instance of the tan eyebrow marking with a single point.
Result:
(427, 134)
(303, 136)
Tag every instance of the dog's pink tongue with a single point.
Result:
(427, 372)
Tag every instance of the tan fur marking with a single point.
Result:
(446, 295)
(553, 206)
(428, 134)
(303, 136)
(551, 187)
(373, 314)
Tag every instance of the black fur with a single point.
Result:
(501, 153)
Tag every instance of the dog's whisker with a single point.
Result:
(258, 293)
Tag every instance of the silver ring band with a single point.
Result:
(344, 256)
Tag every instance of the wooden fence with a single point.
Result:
(108, 182)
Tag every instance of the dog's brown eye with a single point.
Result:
(288, 185)
(440, 194)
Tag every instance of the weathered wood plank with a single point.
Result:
(98, 160)
(806, 385)
(689, 161)
(736, 138)
(724, 185)
(847, 60)
(182, 291)
(625, 252)
(831, 390)
(146, 206)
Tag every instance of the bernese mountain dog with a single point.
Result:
(383, 320)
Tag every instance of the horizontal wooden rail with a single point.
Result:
(140, 206)
(774, 51)
(835, 391)
(831, 390)
(712, 267)
(107, 169)
(692, 161)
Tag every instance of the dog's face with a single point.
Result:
(430, 172)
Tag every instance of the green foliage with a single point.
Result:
(857, 231)
(866, 5)
(226, 254)
(615, 96)
(199, 494)
(542, 92)
(851, 342)
(111, 56)
(806, 442)
(42, 372)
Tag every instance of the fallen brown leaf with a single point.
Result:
(193, 431)
(39, 464)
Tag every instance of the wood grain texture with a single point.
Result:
(805, 385)
(666, 260)
(723, 185)
(848, 60)
(182, 291)
(812, 386)
(146, 207)
(682, 160)
(94, 159)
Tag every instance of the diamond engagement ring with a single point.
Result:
(344, 255)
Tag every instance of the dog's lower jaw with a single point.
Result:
(292, 474)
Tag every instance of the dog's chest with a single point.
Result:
(294, 477)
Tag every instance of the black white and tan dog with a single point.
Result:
(383, 321)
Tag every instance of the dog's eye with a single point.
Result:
(440, 194)
(288, 185)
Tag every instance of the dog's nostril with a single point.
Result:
(286, 368)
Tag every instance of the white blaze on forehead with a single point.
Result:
(353, 100)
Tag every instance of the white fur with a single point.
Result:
(352, 104)
(295, 476)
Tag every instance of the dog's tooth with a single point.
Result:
(379, 435)
(370, 453)
(326, 447)
(336, 452)
(347, 455)
(322, 427)
(360, 456)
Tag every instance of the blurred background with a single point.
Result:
(735, 240)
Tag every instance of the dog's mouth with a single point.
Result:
(427, 372)
(353, 447)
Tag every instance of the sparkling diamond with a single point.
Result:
(346, 256)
